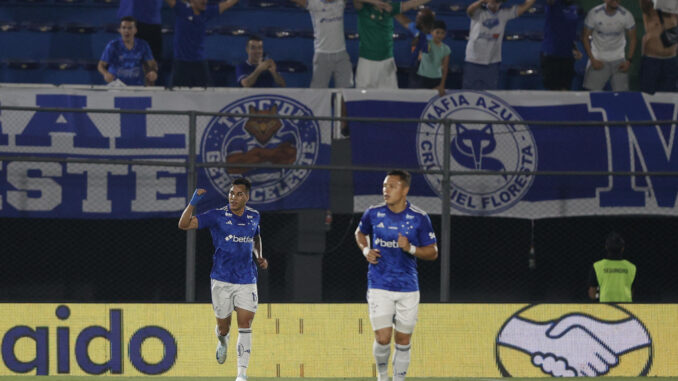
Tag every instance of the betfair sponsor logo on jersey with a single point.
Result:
(238, 239)
(384, 243)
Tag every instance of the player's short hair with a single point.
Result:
(614, 244)
(130, 19)
(439, 24)
(243, 181)
(253, 37)
(405, 176)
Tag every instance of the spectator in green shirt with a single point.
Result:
(611, 279)
(376, 66)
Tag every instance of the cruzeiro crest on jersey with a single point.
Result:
(262, 141)
(478, 147)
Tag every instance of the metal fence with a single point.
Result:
(482, 258)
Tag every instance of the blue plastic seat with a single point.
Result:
(69, 1)
(458, 34)
(40, 27)
(80, 28)
(306, 33)
(455, 7)
(233, 30)
(514, 36)
(9, 26)
(22, 64)
(61, 64)
(107, 2)
(288, 66)
(167, 29)
(89, 65)
(277, 32)
(220, 66)
(32, 1)
(112, 28)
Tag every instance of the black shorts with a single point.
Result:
(557, 72)
(151, 33)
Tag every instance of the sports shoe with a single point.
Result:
(221, 353)
(241, 378)
(382, 377)
(221, 349)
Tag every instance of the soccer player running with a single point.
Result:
(235, 235)
(400, 233)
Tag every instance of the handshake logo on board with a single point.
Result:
(549, 339)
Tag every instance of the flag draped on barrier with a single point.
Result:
(504, 142)
(106, 190)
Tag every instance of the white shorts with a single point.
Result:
(389, 307)
(227, 296)
(376, 74)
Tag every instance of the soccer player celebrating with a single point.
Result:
(400, 233)
(235, 235)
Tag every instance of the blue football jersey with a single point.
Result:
(233, 240)
(397, 269)
(127, 65)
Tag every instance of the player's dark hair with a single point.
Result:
(614, 245)
(243, 181)
(405, 176)
(130, 19)
(253, 37)
(439, 24)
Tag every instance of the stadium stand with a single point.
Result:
(35, 33)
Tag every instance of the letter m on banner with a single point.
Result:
(650, 148)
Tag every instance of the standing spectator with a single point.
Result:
(376, 66)
(258, 70)
(559, 49)
(603, 38)
(127, 58)
(330, 58)
(659, 64)
(190, 61)
(420, 30)
(394, 227)
(147, 14)
(483, 50)
(611, 279)
(432, 72)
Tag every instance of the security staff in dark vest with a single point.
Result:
(610, 279)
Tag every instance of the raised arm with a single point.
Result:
(473, 6)
(188, 221)
(522, 8)
(646, 6)
(403, 20)
(224, 5)
(411, 4)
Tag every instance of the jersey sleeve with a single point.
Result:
(106, 55)
(240, 73)
(630, 23)
(365, 224)
(207, 219)
(588, 21)
(426, 235)
(509, 14)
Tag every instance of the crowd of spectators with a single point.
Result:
(608, 37)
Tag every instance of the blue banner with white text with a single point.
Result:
(504, 142)
(54, 189)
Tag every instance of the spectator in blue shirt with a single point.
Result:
(559, 49)
(190, 62)
(127, 58)
(147, 14)
(258, 70)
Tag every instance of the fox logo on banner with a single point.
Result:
(502, 141)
